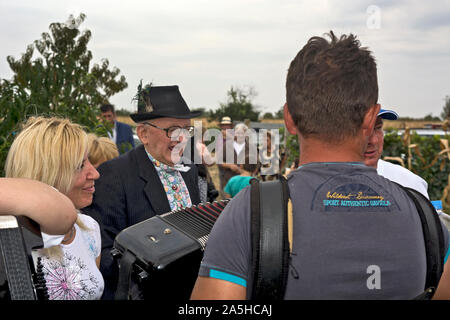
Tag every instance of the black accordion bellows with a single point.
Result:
(164, 252)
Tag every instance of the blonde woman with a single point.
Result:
(101, 149)
(55, 151)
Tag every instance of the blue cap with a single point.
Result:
(388, 114)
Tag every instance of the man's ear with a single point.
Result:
(369, 120)
(289, 122)
(142, 134)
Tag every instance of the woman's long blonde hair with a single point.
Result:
(101, 149)
(49, 150)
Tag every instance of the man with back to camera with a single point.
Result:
(339, 235)
(122, 135)
(393, 172)
(149, 180)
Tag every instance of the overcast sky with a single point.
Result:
(206, 47)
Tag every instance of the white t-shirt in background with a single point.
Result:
(402, 176)
(238, 147)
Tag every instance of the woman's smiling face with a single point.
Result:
(82, 191)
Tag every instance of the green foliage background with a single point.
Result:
(428, 148)
(54, 77)
(292, 148)
(239, 106)
(445, 114)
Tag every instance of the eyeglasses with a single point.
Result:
(175, 131)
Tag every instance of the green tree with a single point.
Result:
(426, 159)
(445, 114)
(268, 116)
(280, 113)
(430, 117)
(60, 81)
(239, 106)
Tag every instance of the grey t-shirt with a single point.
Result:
(356, 236)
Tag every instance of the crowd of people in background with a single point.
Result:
(113, 184)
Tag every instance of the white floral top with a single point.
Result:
(75, 276)
(173, 184)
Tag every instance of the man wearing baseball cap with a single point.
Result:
(393, 172)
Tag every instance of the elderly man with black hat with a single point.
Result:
(150, 179)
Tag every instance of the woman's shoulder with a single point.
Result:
(88, 220)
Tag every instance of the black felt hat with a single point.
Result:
(161, 101)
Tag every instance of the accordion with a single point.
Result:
(19, 279)
(159, 257)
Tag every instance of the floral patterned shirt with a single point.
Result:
(75, 275)
(173, 184)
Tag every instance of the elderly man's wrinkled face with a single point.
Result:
(158, 144)
(375, 146)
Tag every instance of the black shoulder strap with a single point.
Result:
(125, 268)
(433, 237)
(270, 245)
